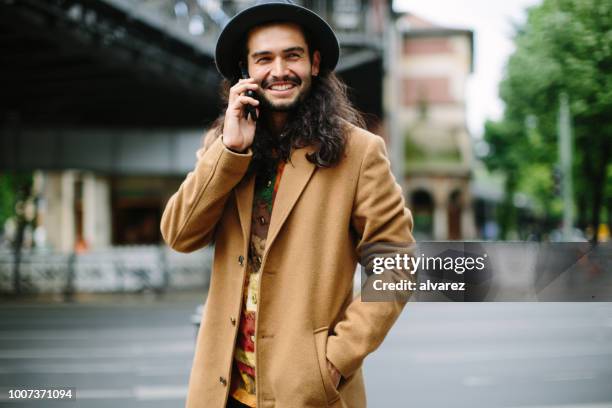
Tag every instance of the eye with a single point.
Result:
(293, 55)
(262, 59)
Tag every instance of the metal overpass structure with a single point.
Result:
(128, 86)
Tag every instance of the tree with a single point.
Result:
(564, 47)
(16, 192)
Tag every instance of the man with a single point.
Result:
(289, 199)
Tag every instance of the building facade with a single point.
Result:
(434, 64)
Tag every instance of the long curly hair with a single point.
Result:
(321, 120)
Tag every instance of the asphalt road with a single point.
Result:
(115, 354)
(138, 354)
(490, 355)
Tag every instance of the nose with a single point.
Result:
(279, 67)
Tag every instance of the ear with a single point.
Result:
(316, 63)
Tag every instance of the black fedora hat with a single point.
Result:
(228, 51)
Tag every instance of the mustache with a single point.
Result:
(266, 83)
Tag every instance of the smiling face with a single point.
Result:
(279, 60)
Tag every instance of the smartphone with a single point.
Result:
(250, 109)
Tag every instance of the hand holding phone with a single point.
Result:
(240, 118)
(250, 109)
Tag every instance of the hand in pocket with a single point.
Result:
(334, 373)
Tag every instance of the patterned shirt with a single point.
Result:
(243, 370)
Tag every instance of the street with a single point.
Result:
(116, 355)
(138, 354)
(489, 355)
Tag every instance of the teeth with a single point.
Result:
(281, 87)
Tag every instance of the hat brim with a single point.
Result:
(228, 51)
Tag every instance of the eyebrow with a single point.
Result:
(285, 51)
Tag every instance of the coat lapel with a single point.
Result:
(244, 202)
(295, 176)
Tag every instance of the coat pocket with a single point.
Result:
(320, 340)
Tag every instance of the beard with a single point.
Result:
(320, 120)
(285, 106)
(268, 148)
(270, 106)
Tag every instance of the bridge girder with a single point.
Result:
(106, 63)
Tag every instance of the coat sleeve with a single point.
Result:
(190, 217)
(379, 215)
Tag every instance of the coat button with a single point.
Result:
(233, 320)
(223, 381)
(241, 260)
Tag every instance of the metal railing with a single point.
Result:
(131, 269)
(205, 18)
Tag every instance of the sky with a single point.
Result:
(492, 22)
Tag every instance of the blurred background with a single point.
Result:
(498, 123)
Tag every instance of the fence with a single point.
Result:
(116, 269)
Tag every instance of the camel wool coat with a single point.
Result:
(321, 219)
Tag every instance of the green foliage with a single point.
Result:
(565, 47)
(415, 153)
(14, 187)
(7, 199)
(539, 185)
(412, 151)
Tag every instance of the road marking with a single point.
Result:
(482, 381)
(476, 381)
(98, 334)
(98, 368)
(579, 405)
(489, 327)
(160, 392)
(141, 393)
(104, 394)
(570, 376)
(463, 356)
(129, 350)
